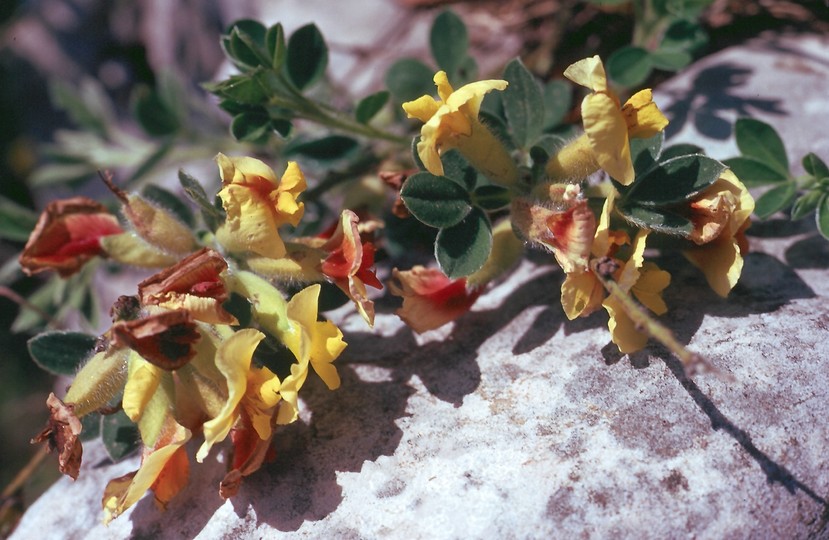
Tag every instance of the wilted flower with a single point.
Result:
(193, 284)
(430, 298)
(61, 434)
(582, 292)
(67, 235)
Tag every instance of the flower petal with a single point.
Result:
(233, 359)
(606, 128)
(588, 72)
(623, 330)
(643, 117)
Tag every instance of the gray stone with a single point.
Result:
(516, 423)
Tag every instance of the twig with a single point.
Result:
(693, 362)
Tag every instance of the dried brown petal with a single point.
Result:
(193, 284)
(61, 434)
(163, 339)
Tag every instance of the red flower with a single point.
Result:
(349, 263)
(430, 299)
(67, 235)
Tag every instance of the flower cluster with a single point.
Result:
(558, 211)
(176, 358)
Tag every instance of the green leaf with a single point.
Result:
(275, 45)
(250, 127)
(464, 248)
(282, 126)
(491, 197)
(670, 59)
(152, 113)
(806, 204)
(150, 162)
(644, 153)
(558, 100)
(88, 105)
(415, 156)
(90, 427)
(457, 169)
(760, 141)
(684, 35)
(61, 173)
(120, 435)
(171, 201)
(547, 145)
(212, 216)
(815, 166)
(325, 149)
(244, 89)
(435, 200)
(449, 42)
(45, 300)
(822, 216)
(682, 149)
(16, 221)
(674, 181)
(243, 43)
(408, 79)
(369, 106)
(307, 56)
(775, 199)
(523, 104)
(629, 66)
(659, 220)
(754, 173)
(61, 353)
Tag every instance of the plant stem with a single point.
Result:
(691, 361)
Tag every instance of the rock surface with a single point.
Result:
(521, 424)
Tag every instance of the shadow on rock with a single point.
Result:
(775, 473)
(348, 427)
(710, 96)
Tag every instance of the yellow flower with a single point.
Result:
(582, 292)
(453, 123)
(162, 468)
(233, 359)
(607, 124)
(261, 399)
(313, 342)
(648, 283)
(257, 204)
(721, 215)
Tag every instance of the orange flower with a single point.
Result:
(430, 299)
(67, 235)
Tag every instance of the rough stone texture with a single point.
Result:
(516, 423)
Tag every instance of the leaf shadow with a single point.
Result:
(710, 101)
